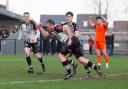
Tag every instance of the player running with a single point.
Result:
(29, 32)
(75, 31)
(72, 44)
(100, 43)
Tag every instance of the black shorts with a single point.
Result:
(75, 48)
(33, 46)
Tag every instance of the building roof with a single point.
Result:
(5, 14)
(121, 26)
(57, 18)
(2, 6)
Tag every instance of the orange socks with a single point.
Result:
(99, 60)
(106, 58)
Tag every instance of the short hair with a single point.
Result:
(26, 13)
(98, 17)
(50, 21)
(69, 13)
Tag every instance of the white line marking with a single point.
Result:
(117, 74)
(25, 82)
(52, 80)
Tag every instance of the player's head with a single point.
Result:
(26, 17)
(98, 20)
(50, 24)
(69, 16)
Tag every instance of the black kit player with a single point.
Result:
(72, 44)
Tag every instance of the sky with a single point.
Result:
(38, 7)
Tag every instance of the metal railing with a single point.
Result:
(14, 46)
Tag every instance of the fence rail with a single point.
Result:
(14, 46)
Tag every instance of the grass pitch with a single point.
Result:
(13, 74)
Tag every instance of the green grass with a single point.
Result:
(13, 68)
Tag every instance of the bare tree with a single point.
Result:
(125, 10)
(98, 5)
(102, 7)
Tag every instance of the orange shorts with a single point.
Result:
(100, 45)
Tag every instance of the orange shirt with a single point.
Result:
(100, 32)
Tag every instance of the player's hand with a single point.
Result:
(65, 28)
(39, 25)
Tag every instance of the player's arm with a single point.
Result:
(105, 21)
(34, 24)
(35, 27)
(91, 23)
(68, 32)
(42, 31)
(37, 33)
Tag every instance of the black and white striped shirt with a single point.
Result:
(29, 32)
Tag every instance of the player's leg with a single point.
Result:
(74, 64)
(103, 47)
(65, 62)
(28, 59)
(106, 57)
(78, 52)
(98, 53)
(98, 56)
(38, 55)
(87, 63)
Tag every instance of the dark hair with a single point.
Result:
(26, 13)
(50, 21)
(98, 17)
(44, 27)
(69, 13)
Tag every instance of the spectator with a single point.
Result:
(15, 29)
(90, 42)
(59, 46)
(0, 38)
(3, 32)
(109, 43)
(53, 45)
(46, 46)
(112, 39)
(0, 32)
(81, 38)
